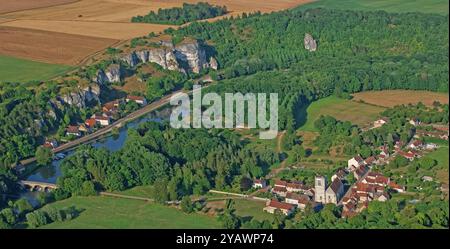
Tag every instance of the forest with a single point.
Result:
(178, 16)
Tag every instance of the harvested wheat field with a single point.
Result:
(123, 10)
(390, 98)
(120, 31)
(50, 47)
(17, 5)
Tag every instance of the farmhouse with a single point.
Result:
(299, 200)
(408, 155)
(355, 162)
(259, 183)
(294, 187)
(73, 131)
(273, 205)
(380, 122)
(51, 144)
(90, 122)
(280, 183)
(417, 144)
(102, 120)
(281, 191)
(138, 99)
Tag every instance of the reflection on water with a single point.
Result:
(51, 172)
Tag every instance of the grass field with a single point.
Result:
(341, 109)
(441, 156)
(19, 70)
(390, 98)
(106, 212)
(426, 6)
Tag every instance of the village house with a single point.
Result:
(294, 186)
(299, 200)
(417, 144)
(355, 163)
(370, 161)
(394, 186)
(360, 172)
(112, 106)
(281, 191)
(73, 130)
(84, 128)
(332, 194)
(51, 144)
(408, 155)
(273, 205)
(138, 99)
(280, 183)
(102, 120)
(259, 183)
(380, 122)
(340, 174)
(90, 122)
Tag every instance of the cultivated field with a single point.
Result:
(119, 31)
(50, 47)
(390, 98)
(341, 109)
(426, 6)
(17, 5)
(19, 70)
(107, 212)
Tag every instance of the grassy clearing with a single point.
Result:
(106, 212)
(19, 70)
(341, 109)
(390, 98)
(441, 156)
(425, 6)
(139, 191)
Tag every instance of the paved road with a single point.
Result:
(117, 124)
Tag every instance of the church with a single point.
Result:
(332, 194)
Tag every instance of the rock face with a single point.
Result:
(192, 55)
(114, 73)
(213, 63)
(82, 97)
(186, 57)
(310, 43)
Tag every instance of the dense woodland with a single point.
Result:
(177, 162)
(181, 15)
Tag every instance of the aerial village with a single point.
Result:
(353, 197)
(110, 112)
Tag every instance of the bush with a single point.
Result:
(36, 219)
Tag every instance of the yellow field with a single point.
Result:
(108, 19)
(119, 31)
(390, 98)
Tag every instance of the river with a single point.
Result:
(51, 172)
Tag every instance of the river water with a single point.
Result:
(51, 172)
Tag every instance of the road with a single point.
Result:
(117, 124)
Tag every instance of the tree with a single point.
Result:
(160, 191)
(186, 204)
(228, 219)
(23, 206)
(36, 219)
(44, 155)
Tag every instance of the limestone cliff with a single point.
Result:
(82, 96)
(188, 56)
(310, 43)
(113, 73)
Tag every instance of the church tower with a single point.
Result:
(320, 185)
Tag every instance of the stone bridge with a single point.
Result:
(38, 186)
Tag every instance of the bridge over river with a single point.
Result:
(38, 186)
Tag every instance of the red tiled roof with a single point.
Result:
(279, 189)
(131, 97)
(281, 183)
(303, 199)
(370, 160)
(90, 122)
(280, 205)
(72, 129)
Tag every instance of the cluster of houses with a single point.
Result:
(295, 195)
(372, 187)
(110, 110)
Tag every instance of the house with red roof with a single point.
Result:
(299, 200)
(273, 205)
(281, 191)
(259, 183)
(73, 130)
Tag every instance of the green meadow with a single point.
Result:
(346, 110)
(426, 6)
(19, 70)
(107, 212)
